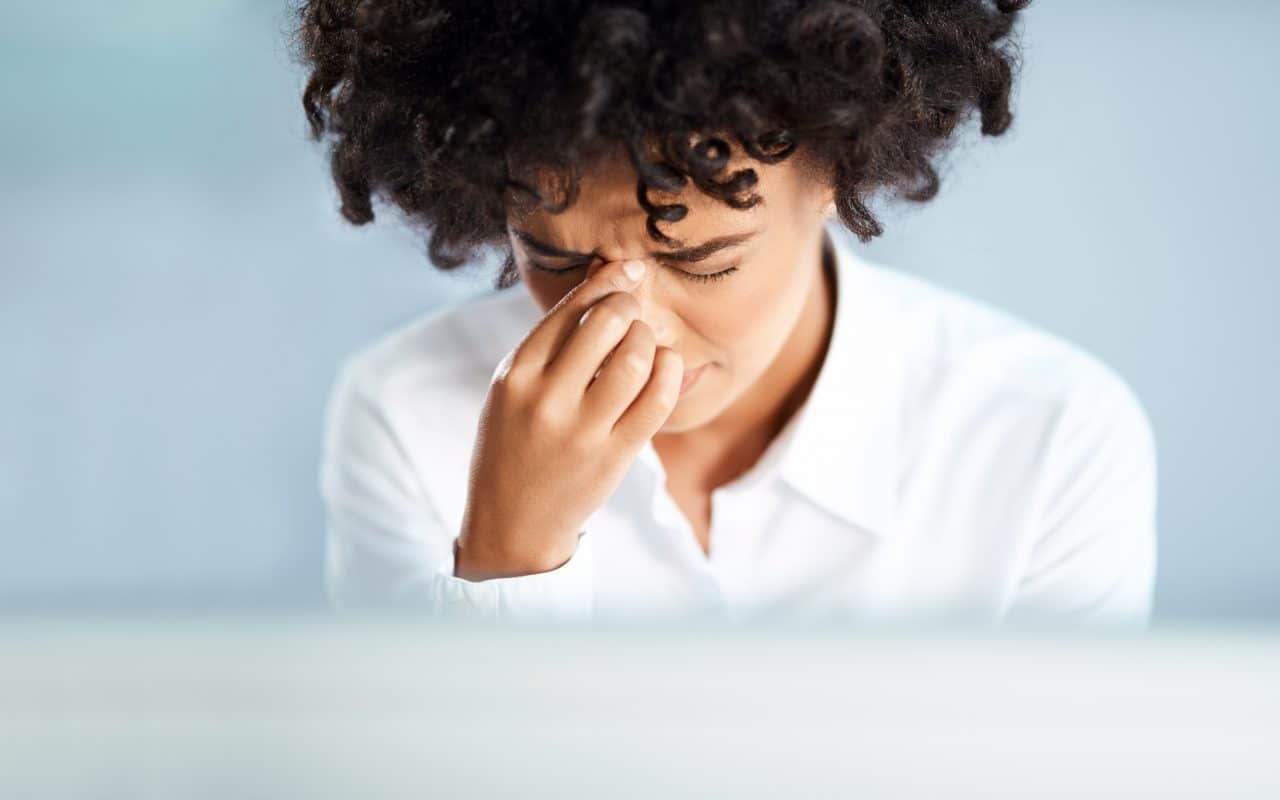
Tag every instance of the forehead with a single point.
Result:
(607, 202)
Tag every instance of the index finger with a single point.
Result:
(548, 336)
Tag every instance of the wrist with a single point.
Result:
(474, 562)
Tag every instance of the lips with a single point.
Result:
(690, 376)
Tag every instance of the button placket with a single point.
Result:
(729, 546)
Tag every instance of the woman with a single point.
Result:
(701, 402)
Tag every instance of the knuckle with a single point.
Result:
(624, 303)
(503, 367)
(507, 385)
(635, 364)
(512, 374)
(521, 362)
(609, 316)
(543, 414)
(501, 390)
(632, 360)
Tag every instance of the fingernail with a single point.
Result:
(634, 269)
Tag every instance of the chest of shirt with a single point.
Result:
(774, 554)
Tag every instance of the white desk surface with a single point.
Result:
(303, 707)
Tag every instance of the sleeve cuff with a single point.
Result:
(563, 594)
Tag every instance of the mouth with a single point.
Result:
(691, 376)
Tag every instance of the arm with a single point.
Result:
(1093, 560)
(387, 546)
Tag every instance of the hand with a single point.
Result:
(567, 411)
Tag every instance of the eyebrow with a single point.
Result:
(688, 254)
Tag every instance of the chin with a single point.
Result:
(688, 415)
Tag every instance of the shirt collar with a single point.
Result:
(843, 453)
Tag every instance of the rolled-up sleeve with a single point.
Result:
(386, 544)
(1093, 553)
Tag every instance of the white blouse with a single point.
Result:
(952, 463)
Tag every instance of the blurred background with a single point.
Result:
(177, 287)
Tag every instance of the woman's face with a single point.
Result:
(734, 322)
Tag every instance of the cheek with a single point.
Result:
(746, 327)
(766, 302)
(546, 290)
(753, 324)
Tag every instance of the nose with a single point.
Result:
(652, 310)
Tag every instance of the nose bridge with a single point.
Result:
(622, 244)
(644, 294)
(654, 309)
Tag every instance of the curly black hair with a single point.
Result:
(440, 106)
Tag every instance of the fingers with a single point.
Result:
(622, 377)
(593, 354)
(541, 346)
(656, 400)
(606, 326)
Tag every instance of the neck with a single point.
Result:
(748, 425)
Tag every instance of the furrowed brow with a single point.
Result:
(688, 254)
(549, 250)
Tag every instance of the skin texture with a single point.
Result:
(763, 329)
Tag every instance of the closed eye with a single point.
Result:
(701, 277)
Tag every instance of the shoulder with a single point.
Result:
(992, 382)
(992, 354)
(442, 351)
(403, 409)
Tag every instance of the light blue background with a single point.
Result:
(177, 288)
